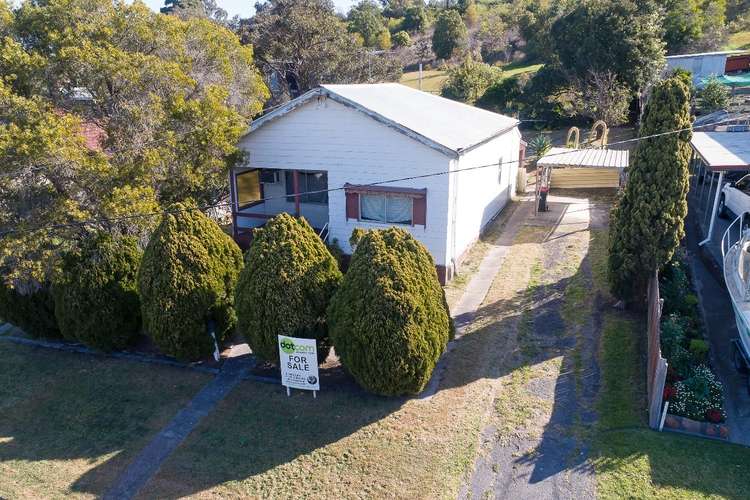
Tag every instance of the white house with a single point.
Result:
(376, 155)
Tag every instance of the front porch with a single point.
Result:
(258, 194)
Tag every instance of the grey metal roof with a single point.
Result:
(443, 124)
(596, 158)
(723, 150)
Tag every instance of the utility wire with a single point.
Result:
(341, 188)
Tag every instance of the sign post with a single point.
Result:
(299, 364)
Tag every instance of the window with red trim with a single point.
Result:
(377, 204)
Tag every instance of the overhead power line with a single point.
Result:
(203, 208)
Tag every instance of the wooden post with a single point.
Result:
(233, 201)
(295, 185)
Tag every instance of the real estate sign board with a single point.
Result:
(299, 363)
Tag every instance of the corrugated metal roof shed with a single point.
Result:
(723, 150)
(593, 158)
(451, 125)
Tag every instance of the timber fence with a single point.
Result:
(657, 365)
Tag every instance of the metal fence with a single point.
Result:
(657, 365)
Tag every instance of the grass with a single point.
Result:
(519, 67)
(433, 80)
(260, 443)
(738, 41)
(470, 265)
(71, 423)
(632, 461)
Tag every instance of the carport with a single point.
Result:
(716, 153)
(567, 168)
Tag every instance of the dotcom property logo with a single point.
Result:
(289, 347)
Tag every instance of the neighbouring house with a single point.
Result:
(708, 64)
(585, 168)
(375, 155)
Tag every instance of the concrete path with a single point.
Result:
(464, 311)
(148, 461)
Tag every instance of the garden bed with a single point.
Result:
(694, 392)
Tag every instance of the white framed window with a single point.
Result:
(386, 208)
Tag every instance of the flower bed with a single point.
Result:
(692, 389)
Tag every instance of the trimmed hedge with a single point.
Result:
(96, 301)
(186, 281)
(32, 311)
(389, 320)
(285, 287)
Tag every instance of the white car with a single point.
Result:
(735, 198)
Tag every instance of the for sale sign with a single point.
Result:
(299, 363)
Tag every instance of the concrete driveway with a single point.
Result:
(706, 267)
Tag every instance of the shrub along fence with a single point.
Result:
(657, 365)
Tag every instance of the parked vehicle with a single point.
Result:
(735, 251)
(735, 198)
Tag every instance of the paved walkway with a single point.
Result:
(148, 461)
(476, 291)
(464, 312)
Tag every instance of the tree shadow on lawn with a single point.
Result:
(643, 463)
(77, 409)
(257, 429)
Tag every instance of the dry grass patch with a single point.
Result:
(71, 423)
(455, 288)
(261, 444)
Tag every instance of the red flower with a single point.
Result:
(714, 416)
(669, 391)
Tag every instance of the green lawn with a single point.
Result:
(519, 67)
(738, 41)
(630, 460)
(69, 423)
(433, 80)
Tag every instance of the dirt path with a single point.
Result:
(535, 445)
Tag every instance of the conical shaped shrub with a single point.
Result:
(32, 309)
(186, 282)
(285, 287)
(389, 321)
(96, 298)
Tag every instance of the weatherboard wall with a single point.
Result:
(481, 188)
(353, 148)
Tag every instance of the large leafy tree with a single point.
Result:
(108, 109)
(648, 220)
(623, 36)
(366, 19)
(450, 34)
(303, 43)
(468, 81)
(693, 24)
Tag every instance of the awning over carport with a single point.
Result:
(717, 153)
